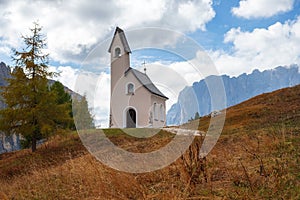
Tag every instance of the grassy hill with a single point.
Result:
(256, 157)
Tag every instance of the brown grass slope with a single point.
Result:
(279, 108)
(256, 157)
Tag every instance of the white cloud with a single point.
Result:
(4, 50)
(73, 28)
(191, 15)
(263, 48)
(261, 8)
(67, 75)
(137, 12)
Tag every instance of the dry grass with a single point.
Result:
(265, 111)
(257, 157)
(65, 175)
(78, 178)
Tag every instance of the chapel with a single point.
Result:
(135, 102)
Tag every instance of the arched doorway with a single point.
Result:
(130, 118)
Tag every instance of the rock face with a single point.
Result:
(237, 89)
(7, 143)
(4, 74)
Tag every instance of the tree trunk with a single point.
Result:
(34, 136)
(33, 146)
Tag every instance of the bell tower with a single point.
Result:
(119, 60)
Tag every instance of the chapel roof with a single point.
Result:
(146, 82)
(123, 40)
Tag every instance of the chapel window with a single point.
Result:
(130, 88)
(155, 110)
(117, 52)
(161, 111)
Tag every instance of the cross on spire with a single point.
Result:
(145, 69)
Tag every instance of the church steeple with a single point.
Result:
(119, 50)
(119, 57)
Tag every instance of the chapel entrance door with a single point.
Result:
(131, 118)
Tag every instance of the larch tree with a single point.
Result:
(31, 107)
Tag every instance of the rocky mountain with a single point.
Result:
(197, 98)
(4, 74)
(7, 143)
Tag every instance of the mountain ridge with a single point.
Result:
(237, 90)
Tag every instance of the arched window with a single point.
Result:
(130, 88)
(161, 111)
(117, 52)
(155, 110)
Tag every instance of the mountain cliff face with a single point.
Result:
(4, 74)
(197, 98)
(7, 143)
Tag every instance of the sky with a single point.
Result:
(181, 41)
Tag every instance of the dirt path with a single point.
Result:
(180, 131)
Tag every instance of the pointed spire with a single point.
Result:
(122, 38)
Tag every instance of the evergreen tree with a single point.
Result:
(82, 116)
(62, 96)
(32, 110)
(63, 100)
